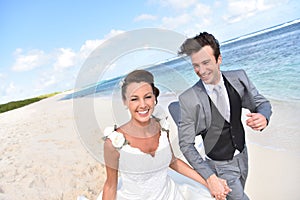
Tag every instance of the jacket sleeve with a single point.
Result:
(253, 100)
(187, 132)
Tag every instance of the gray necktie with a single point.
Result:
(221, 102)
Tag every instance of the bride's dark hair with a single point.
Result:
(138, 76)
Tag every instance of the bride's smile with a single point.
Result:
(140, 102)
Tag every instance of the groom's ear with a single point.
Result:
(219, 61)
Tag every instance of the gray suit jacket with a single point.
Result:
(196, 114)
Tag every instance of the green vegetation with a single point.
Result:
(17, 104)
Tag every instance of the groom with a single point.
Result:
(212, 108)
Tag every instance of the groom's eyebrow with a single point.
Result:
(202, 62)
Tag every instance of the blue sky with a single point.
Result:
(45, 42)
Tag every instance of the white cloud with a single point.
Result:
(66, 65)
(177, 4)
(46, 80)
(2, 76)
(49, 81)
(32, 59)
(65, 58)
(90, 45)
(239, 10)
(112, 33)
(217, 4)
(10, 92)
(145, 17)
(191, 16)
(174, 22)
(201, 10)
(10, 88)
(60, 68)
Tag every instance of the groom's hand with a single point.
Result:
(217, 187)
(226, 187)
(256, 121)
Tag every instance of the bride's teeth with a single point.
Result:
(143, 112)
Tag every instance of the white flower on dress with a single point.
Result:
(108, 131)
(118, 140)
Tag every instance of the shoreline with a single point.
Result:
(43, 157)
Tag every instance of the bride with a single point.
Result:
(140, 152)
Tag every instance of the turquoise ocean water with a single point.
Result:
(271, 59)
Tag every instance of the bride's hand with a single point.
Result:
(216, 187)
(223, 195)
(226, 187)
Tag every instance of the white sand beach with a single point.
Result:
(42, 156)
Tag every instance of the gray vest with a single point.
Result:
(223, 138)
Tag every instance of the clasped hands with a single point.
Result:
(218, 187)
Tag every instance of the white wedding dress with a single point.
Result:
(147, 177)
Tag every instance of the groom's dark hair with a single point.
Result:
(195, 44)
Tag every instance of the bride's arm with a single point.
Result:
(183, 168)
(111, 157)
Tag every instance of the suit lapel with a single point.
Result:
(234, 82)
(204, 101)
